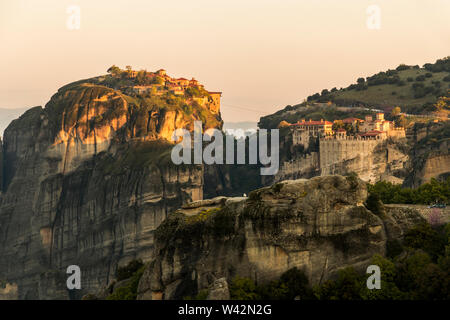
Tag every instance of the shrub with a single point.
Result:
(402, 67)
(389, 289)
(424, 237)
(128, 292)
(201, 295)
(433, 191)
(393, 248)
(352, 178)
(347, 286)
(297, 284)
(374, 204)
(128, 270)
(243, 289)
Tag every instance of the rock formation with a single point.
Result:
(86, 181)
(319, 225)
(430, 154)
(371, 160)
(219, 290)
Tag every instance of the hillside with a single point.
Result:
(417, 90)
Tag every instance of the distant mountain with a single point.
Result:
(8, 115)
(240, 129)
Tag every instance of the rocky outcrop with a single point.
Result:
(1, 166)
(319, 225)
(372, 160)
(8, 291)
(219, 290)
(413, 161)
(430, 156)
(87, 180)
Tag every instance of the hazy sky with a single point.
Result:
(263, 55)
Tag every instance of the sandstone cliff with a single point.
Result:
(319, 225)
(371, 160)
(86, 181)
(430, 154)
(1, 165)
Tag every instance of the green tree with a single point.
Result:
(297, 284)
(347, 286)
(389, 289)
(114, 70)
(409, 268)
(243, 289)
(424, 237)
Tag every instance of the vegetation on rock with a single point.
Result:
(420, 270)
(133, 271)
(428, 193)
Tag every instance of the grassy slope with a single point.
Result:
(382, 94)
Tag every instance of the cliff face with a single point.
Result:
(430, 156)
(371, 160)
(87, 180)
(412, 161)
(1, 166)
(318, 225)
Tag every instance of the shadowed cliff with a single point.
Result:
(319, 226)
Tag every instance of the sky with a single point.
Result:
(263, 55)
